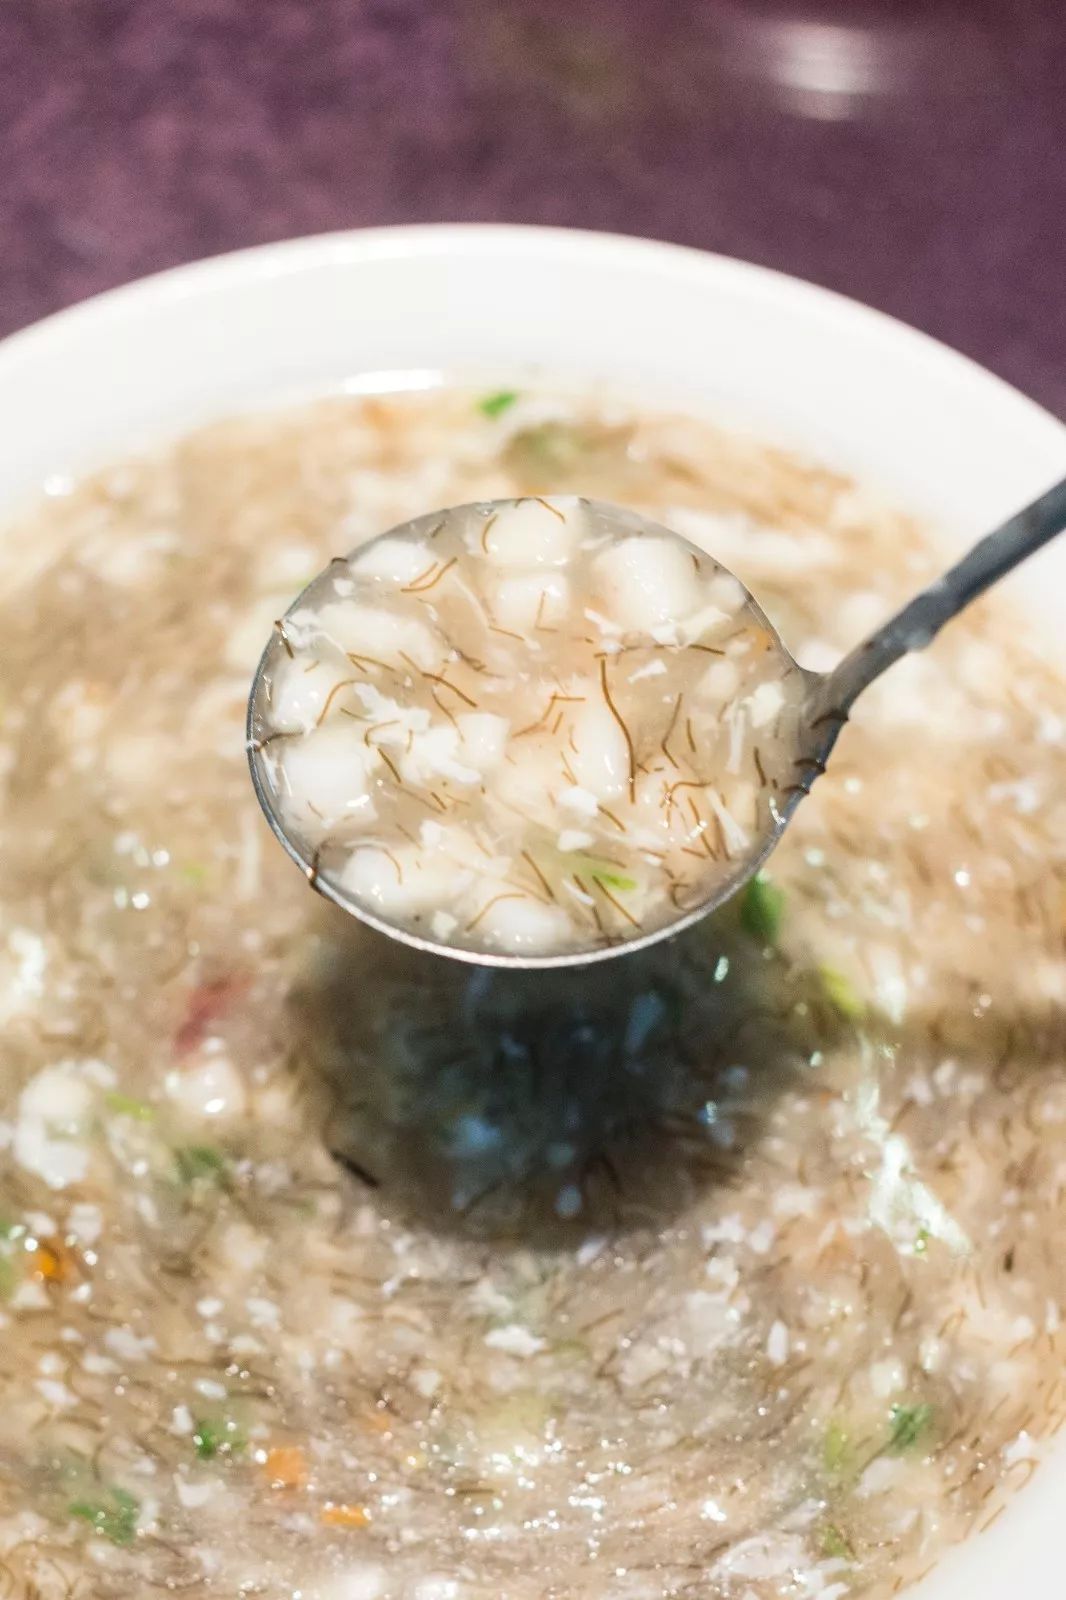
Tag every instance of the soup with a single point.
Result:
(334, 1269)
(527, 726)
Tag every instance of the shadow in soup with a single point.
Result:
(535, 1106)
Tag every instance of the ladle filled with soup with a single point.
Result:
(526, 728)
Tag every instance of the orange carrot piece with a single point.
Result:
(344, 1516)
(286, 1467)
(53, 1261)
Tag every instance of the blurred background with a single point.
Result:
(911, 153)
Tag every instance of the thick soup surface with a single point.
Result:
(331, 1270)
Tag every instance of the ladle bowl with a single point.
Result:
(804, 737)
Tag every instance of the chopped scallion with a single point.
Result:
(200, 1163)
(762, 909)
(836, 1450)
(494, 405)
(114, 1515)
(602, 872)
(614, 880)
(842, 994)
(836, 1544)
(125, 1106)
(218, 1437)
(207, 1440)
(908, 1424)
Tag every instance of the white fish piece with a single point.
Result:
(86, 1222)
(301, 690)
(657, 824)
(55, 1394)
(482, 738)
(707, 620)
(372, 631)
(765, 703)
(135, 759)
(54, 1115)
(535, 533)
(518, 924)
(390, 721)
(778, 1342)
(208, 1085)
(23, 965)
(364, 1581)
(735, 721)
(818, 655)
(127, 1345)
(720, 682)
(460, 847)
(726, 593)
(736, 838)
(528, 777)
(754, 547)
(326, 778)
(181, 1421)
(523, 601)
(599, 754)
(392, 562)
(574, 839)
(652, 669)
(403, 882)
(607, 626)
(667, 633)
(741, 799)
(437, 1587)
(860, 612)
(764, 1555)
(574, 798)
(250, 627)
(515, 1340)
(434, 754)
(288, 565)
(193, 1496)
(647, 582)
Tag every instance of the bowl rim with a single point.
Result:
(287, 257)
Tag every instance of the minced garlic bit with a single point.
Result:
(530, 726)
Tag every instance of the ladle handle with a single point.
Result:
(923, 617)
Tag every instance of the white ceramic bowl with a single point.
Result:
(794, 363)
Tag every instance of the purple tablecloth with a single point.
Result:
(910, 154)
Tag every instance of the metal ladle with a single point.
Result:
(825, 703)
